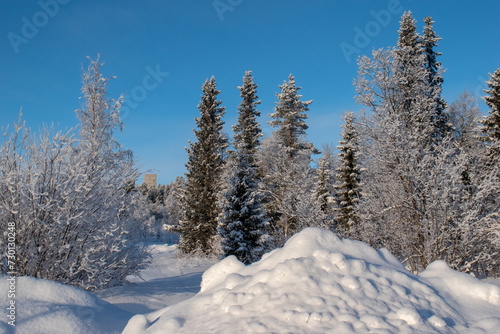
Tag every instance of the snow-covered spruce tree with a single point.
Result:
(414, 96)
(242, 222)
(434, 79)
(203, 178)
(68, 198)
(288, 180)
(492, 121)
(325, 175)
(348, 179)
(289, 118)
(247, 131)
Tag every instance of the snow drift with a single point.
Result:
(49, 307)
(318, 283)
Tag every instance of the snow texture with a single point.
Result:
(44, 306)
(318, 283)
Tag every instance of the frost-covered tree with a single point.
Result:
(465, 119)
(492, 121)
(325, 174)
(203, 178)
(484, 214)
(172, 201)
(434, 79)
(288, 185)
(289, 118)
(348, 179)
(397, 137)
(242, 223)
(247, 131)
(68, 197)
(288, 180)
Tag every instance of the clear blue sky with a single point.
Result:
(44, 44)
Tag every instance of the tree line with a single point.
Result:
(412, 173)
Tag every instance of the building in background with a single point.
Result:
(150, 180)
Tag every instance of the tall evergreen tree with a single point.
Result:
(408, 37)
(290, 117)
(348, 178)
(434, 79)
(247, 131)
(409, 74)
(288, 181)
(492, 121)
(242, 223)
(324, 191)
(199, 201)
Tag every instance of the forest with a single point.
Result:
(413, 173)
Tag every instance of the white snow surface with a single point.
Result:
(44, 307)
(318, 283)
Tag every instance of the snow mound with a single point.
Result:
(318, 283)
(49, 307)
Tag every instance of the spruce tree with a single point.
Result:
(409, 74)
(434, 79)
(199, 201)
(288, 181)
(242, 223)
(290, 118)
(247, 131)
(408, 37)
(324, 191)
(492, 121)
(348, 178)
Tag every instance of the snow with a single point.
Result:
(44, 306)
(319, 283)
(316, 283)
(169, 280)
(50, 307)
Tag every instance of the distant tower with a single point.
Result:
(150, 180)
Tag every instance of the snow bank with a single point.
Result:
(49, 307)
(318, 283)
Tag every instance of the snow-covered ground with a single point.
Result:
(317, 283)
(168, 280)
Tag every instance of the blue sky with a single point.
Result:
(162, 51)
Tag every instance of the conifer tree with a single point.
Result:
(325, 181)
(290, 117)
(288, 182)
(434, 79)
(247, 131)
(199, 200)
(348, 178)
(492, 121)
(242, 223)
(409, 74)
